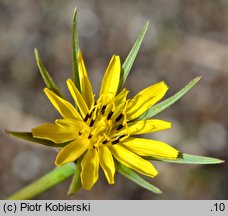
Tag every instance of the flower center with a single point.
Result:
(104, 122)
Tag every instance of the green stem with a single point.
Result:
(46, 182)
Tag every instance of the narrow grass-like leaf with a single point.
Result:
(46, 76)
(56, 176)
(76, 184)
(29, 137)
(75, 49)
(190, 159)
(168, 102)
(130, 174)
(126, 67)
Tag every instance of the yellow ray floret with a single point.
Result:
(154, 148)
(145, 126)
(110, 82)
(86, 88)
(65, 108)
(72, 151)
(79, 100)
(133, 161)
(145, 99)
(107, 163)
(54, 133)
(90, 168)
(63, 130)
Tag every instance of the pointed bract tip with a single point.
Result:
(75, 12)
(158, 191)
(146, 25)
(147, 22)
(36, 52)
(198, 78)
(221, 161)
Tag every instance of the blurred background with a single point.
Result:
(185, 39)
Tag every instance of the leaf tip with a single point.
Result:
(37, 57)
(198, 78)
(146, 26)
(220, 161)
(75, 13)
(147, 23)
(157, 191)
(75, 9)
(11, 133)
(36, 53)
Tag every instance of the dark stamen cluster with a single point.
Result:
(115, 141)
(117, 123)
(91, 123)
(110, 115)
(119, 117)
(86, 117)
(103, 109)
(105, 141)
(119, 127)
(118, 139)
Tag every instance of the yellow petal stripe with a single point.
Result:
(111, 78)
(145, 126)
(54, 133)
(107, 163)
(133, 161)
(85, 84)
(71, 152)
(145, 99)
(80, 102)
(90, 168)
(65, 108)
(145, 147)
(76, 125)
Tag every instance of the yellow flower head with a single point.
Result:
(99, 132)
